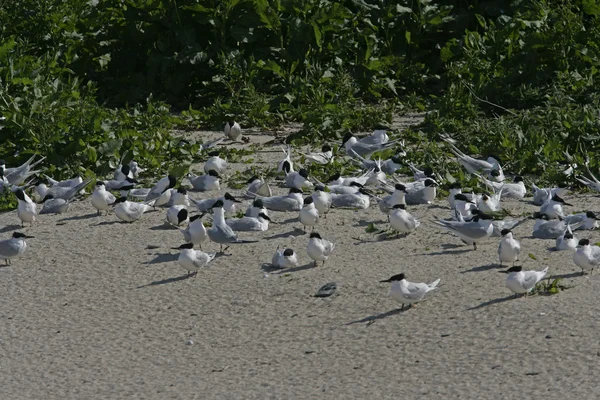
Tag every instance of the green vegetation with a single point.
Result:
(87, 83)
(550, 286)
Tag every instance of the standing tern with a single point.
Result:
(319, 249)
(248, 224)
(13, 247)
(220, 232)
(479, 228)
(284, 258)
(322, 200)
(406, 292)
(566, 241)
(102, 199)
(455, 189)
(26, 209)
(586, 257)
(195, 232)
(205, 183)
(523, 282)
(309, 215)
(402, 221)
(232, 130)
(129, 211)
(387, 204)
(215, 163)
(508, 248)
(193, 260)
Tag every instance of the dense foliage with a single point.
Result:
(516, 78)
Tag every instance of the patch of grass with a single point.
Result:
(549, 287)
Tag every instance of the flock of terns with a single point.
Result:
(474, 217)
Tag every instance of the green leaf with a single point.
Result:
(371, 228)
(407, 36)
(532, 256)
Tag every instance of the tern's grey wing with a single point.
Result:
(281, 203)
(575, 218)
(243, 224)
(415, 291)
(55, 206)
(549, 230)
(469, 229)
(530, 278)
(223, 234)
(9, 248)
(415, 197)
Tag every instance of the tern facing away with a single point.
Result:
(27, 209)
(319, 249)
(129, 211)
(193, 260)
(523, 282)
(13, 247)
(220, 232)
(406, 292)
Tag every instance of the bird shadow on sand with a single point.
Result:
(566, 276)
(267, 267)
(110, 223)
(79, 217)
(163, 227)
(163, 258)
(8, 228)
(484, 268)
(492, 302)
(165, 281)
(438, 206)
(376, 317)
(293, 232)
(446, 252)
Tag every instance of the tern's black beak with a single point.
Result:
(29, 237)
(387, 280)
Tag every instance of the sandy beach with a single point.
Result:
(98, 309)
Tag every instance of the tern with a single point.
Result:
(587, 257)
(523, 282)
(129, 211)
(220, 232)
(406, 292)
(319, 249)
(284, 258)
(247, 224)
(309, 215)
(26, 209)
(13, 247)
(232, 130)
(193, 260)
(508, 248)
(215, 163)
(566, 241)
(205, 183)
(102, 199)
(402, 221)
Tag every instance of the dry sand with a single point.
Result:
(90, 312)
